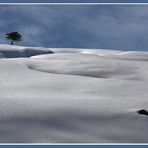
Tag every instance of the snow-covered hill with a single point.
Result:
(72, 95)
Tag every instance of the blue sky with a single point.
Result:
(123, 27)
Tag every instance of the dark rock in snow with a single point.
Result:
(143, 112)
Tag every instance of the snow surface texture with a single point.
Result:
(72, 95)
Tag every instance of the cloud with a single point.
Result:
(88, 26)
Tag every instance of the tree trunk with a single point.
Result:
(12, 42)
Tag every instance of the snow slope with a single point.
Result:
(73, 96)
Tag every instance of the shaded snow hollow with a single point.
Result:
(13, 51)
(72, 95)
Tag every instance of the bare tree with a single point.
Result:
(14, 37)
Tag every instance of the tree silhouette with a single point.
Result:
(14, 37)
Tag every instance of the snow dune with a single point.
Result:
(86, 65)
(73, 96)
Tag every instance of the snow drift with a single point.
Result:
(73, 96)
